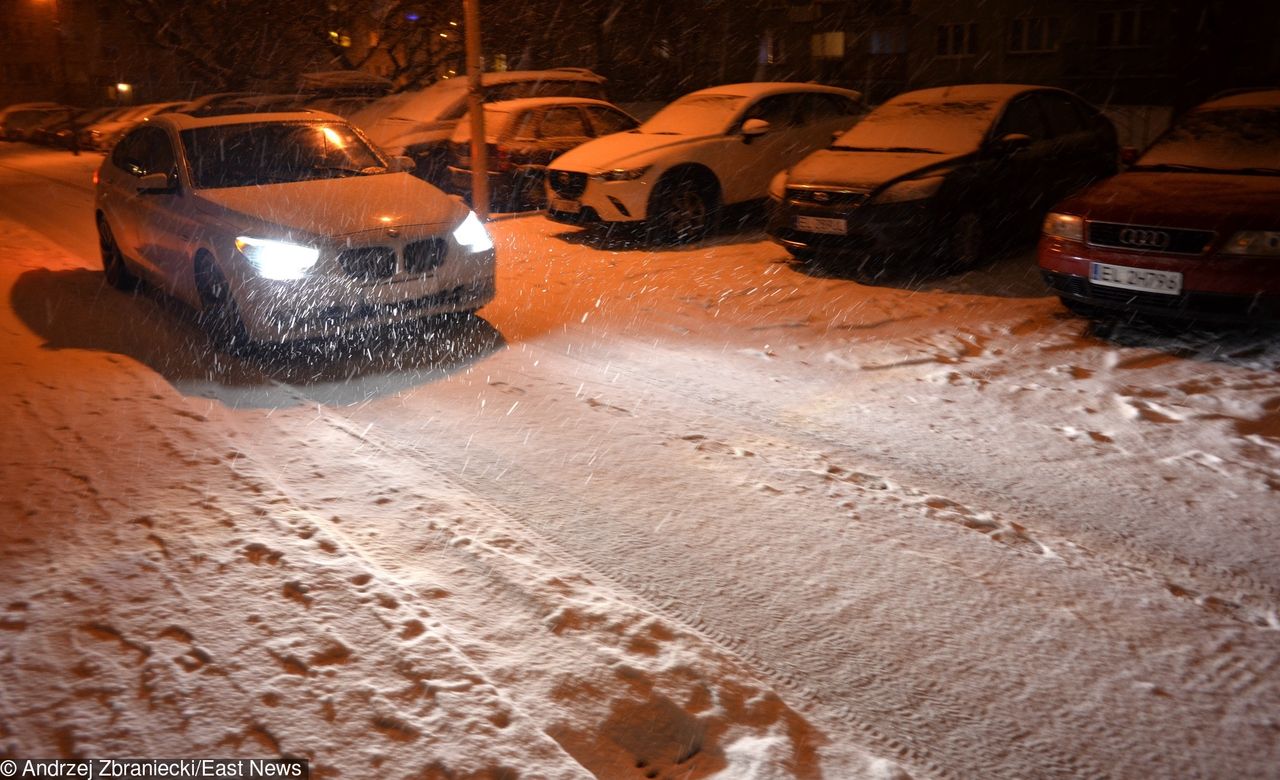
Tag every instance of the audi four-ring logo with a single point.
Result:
(1148, 239)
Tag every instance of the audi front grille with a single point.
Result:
(1145, 238)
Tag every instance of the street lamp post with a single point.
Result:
(64, 75)
(475, 102)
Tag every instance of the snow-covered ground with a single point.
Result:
(676, 513)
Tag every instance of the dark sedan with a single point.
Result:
(943, 173)
(1192, 231)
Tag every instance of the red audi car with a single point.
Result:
(1190, 231)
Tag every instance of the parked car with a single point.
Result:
(522, 137)
(708, 149)
(104, 134)
(419, 123)
(341, 92)
(57, 131)
(1191, 231)
(944, 173)
(284, 226)
(21, 123)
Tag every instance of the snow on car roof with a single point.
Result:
(187, 122)
(994, 93)
(751, 89)
(523, 104)
(1262, 98)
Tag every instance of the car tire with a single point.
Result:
(966, 241)
(114, 267)
(684, 208)
(219, 314)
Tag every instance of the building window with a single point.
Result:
(1033, 34)
(888, 41)
(1117, 29)
(957, 40)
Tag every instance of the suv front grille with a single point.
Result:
(833, 198)
(369, 263)
(421, 257)
(382, 263)
(1143, 238)
(568, 184)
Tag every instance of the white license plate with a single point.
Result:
(834, 227)
(1126, 278)
(567, 206)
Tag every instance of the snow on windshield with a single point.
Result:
(271, 153)
(950, 126)
(698, 114)
(1234, 139)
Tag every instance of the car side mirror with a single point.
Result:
(754, 127)
(1010, 143)
(155, 183)
(402, 164)
(1129, 155)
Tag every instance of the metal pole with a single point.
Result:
(66, 76)
(475, 103)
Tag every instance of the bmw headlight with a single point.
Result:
(1259, 243)
(277, 259)
(472, 235)
(1067, 226)
(623, 174)
(910, 190)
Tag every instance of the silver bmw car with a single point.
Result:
(284, 226)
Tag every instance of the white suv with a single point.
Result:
(710, 148)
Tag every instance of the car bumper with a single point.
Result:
(867, 229)
(281, 311)
(1215, 288)
(599, 201)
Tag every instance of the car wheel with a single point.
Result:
(685, 209)
(966, 242)
(220, 315)
(113, 265)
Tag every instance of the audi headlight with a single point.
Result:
(277, 259)
(910, 190)
(778, 186)
(1260, 243)
(472, 235)
(623, 174)
(1067, 226)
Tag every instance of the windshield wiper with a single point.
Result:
(889, 149)
(1180, 168)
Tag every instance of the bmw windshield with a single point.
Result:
(247, 155)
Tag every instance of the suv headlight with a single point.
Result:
(910, 190)
(277, 259)
(623, 174)
(1260, 243)
(472, 235)
(778, 185)
(1067, 226)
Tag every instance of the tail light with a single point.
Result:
(499, 158)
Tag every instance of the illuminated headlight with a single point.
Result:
(623, 174)
(1260, 243)
(1066, 226)
(277, 259)
(910, 190)
(778, 186)
(472, 235)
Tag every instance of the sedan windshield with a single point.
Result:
(944, 126)
(698, 114)
(1237, 140)
(245, 155)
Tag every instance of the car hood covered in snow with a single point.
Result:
(1200, 200)
(337, 207)
(863, 170)
(621, 149)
